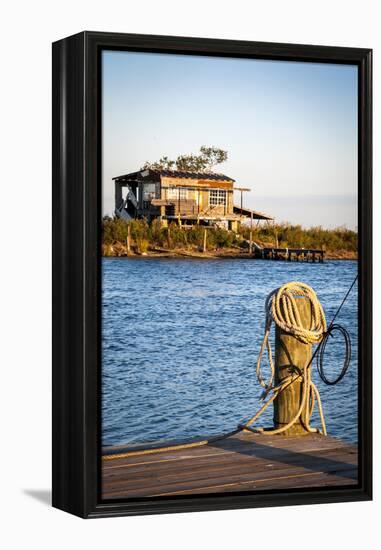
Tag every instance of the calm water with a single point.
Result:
(181, 338)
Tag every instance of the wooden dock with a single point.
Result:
(243, 462)
(290, 254)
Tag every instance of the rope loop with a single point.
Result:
(347, 355)
(282, 307)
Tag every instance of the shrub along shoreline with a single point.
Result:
(154, 240)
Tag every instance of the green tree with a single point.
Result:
(205, 161)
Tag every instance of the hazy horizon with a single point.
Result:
(290, 128)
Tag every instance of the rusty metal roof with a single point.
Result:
(179, 174)
(192, 175)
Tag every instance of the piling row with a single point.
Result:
(291, 254)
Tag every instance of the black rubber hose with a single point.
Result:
(321, 351)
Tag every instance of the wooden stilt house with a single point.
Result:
(185, 197)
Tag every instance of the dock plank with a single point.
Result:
(242, 462)
(216, 464)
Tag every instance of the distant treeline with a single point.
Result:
(145, 237)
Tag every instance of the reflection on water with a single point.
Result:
(180, 340)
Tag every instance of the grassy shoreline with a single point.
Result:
(140, 239)
(121, 252)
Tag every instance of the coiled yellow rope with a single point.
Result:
(282, 309)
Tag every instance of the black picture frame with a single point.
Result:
(76, 270)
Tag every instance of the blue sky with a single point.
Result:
(290, 128)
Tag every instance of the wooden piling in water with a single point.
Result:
(290, 254)
(251, 233)
(128, 240)
(291, 356)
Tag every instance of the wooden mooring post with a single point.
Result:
(251, 234)
(291, 356)
(204, 242)
(128, 240)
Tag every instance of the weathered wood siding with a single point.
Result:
(198, 191)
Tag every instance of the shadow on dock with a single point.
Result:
(311, 461)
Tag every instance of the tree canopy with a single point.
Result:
(205, 161)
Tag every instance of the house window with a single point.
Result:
(217, 197)
(149, 191)
(177, 193)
